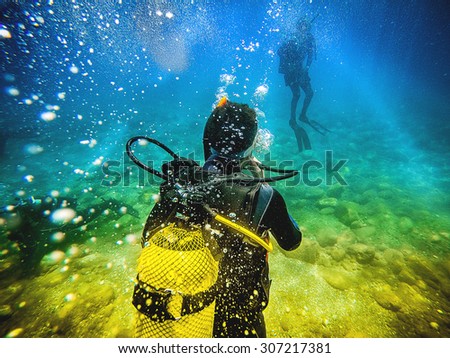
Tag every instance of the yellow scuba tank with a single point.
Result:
(177, 273)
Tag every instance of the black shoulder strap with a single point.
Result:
(260, 199)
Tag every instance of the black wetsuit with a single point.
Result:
(243, 284)
(292, 56)
(242, 287)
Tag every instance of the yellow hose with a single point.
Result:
(267, 245)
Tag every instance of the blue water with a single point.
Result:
(79, 79)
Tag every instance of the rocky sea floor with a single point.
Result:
(374, 262)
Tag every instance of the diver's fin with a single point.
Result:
(318, 127)
(303, 142)
(314, 124)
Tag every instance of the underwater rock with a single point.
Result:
(407, 276)
(337, 253)
(377, 210)
(104, 294)
(327, 211)
(314, 193)
(91, 261)
(114, 327)
(435, 238)
(63, 320)
(327, 202)
(358, 224)
(374, 273)
(285, 324)
(326, 237)
(308, 252)
(368, 196)
(386, 194)
(337, 279)
(425, 270)
(5, 312)
(335, 191)
(347, 237)
(405, 225)
(411, 298)
(325, 261)
(379, 261)
(364, 254)
(387, 298)
(56, 277)
(383, 185)
(364, 233)
(347, 213)
(395, 260)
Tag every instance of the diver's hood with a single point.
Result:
(230, 131)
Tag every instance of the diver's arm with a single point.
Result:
(281, 224)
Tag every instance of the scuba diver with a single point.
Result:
(296, 55)
(223, 290)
